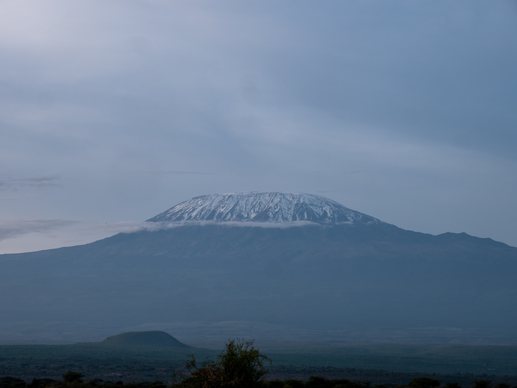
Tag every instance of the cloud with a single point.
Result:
(39, 182)
(109, 229)
(18, 236)
(15, 228)
(154, 226)
(177, 173)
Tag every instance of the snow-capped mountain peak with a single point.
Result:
(272, 207)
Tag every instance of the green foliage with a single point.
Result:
(483, 384)
(317, 382)
(72, 377)
(11, 382)
(72, 380)
(42, 383)
(424, 382)
(294, 384)
(240, 365)
(414, 359)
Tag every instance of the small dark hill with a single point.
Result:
(144, 338)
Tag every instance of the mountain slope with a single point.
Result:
(144, 338)
(262, 207)
(354, 275)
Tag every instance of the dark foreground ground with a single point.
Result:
(380, 364)
(116, 371)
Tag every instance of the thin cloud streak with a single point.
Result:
(16, 228)
(176, 173)
(41, 182)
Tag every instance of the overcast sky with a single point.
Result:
(114, 111)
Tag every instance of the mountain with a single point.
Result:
(263, 207)
(144, 338)
(272, 266)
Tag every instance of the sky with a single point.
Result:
(114, 111)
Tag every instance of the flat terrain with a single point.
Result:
(448, 359)
(380, 364)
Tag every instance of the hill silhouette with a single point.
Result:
(144, 338)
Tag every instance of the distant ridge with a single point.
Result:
(274, 207)
(144, 338)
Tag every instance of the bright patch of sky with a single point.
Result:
(112, 112)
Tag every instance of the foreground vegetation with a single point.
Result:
(313, 382)
(241, 365)
(145, 363)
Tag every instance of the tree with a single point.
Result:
(483, 384)
(239, 366)
(424, 382)
(72, 377)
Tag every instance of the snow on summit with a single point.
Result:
(262, 207)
